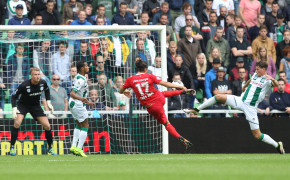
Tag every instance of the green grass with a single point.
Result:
(147, 167)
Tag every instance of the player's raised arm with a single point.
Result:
(171, 85)
(274, 81)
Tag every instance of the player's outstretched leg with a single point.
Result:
(211, 101)
(267, 139)
(177, 92)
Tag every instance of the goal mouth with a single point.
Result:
(118, 125)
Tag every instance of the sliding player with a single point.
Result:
(253, 93)
(143, 86)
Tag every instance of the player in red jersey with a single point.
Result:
(154, 100)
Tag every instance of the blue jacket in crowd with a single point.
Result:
(279, 101)
(19, 21)
(209, 77)
(12, 67)
(176, 5)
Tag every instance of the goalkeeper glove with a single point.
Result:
(14, 112)
(50, 106)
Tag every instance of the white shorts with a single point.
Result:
(249, 111)
(78, 110)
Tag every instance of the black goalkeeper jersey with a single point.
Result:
(30, 93)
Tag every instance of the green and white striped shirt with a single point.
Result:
(80, 86)
(255, 92)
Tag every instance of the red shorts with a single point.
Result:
(157, 110)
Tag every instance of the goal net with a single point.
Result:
(118, 125)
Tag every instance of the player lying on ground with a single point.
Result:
(29, 102)
(78, 110)
(154, 100)
(253, 93)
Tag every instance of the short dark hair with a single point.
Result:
(275, 2)
(123, 3)
(219, 28)
(263, 27)
(262, 64)
(212, 12)
(101, 5)
(176, 74)
(241, 68)
(240, 27)
(281, 72)
(286, 50)
(79, 65)
(63, 43)
(163, 15)
(141, 65)
(282, 80)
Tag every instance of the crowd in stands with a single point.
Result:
(212, 46)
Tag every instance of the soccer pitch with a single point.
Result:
(173, 166)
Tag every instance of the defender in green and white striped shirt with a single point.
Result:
(78, 109)
(253, 93)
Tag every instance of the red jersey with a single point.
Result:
(287, 88)
(143, 86)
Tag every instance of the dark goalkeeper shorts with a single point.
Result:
(35, 111)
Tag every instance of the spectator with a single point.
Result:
(164, 9)
(88, 9)
(71, 10)
(19, 19)
(81, 19)
(149, 45)
(123, 17)
(200, 6)
(234, 73)
(98, 69)
(120, 97)
(281, 45)
(42, 59)
(145, 18)
(164, 21)
(94, 97)
(18, 68)
(254, 30)
(210, 76)
(229, 4)
(37, 20)
(101, 13)
(231, 31)
(171, 54)
(212, 27)
(276, 31)
(215, 53)
(271, 18)
(230, 20)
(155, 69)
(11, 7)
(238, 84)
(263, 41)
(94, 45)
(61, 62)
(189, 47)
(221, 20)
(267, 7)
(180, 20)
(8, 49)
(175, 8)
(263, 56)
(152, 7)
(240, 47)
(105, 92)
(282, 75)
(198, 71)
(178, 102)
(196, 33)
(219, 42)
(68, 83)
(58, 97)
(220, 86)
(132, 6)
(183, 71)
(50, 16)
(204, 13)
(280, 100)
(285, 62)
(249, 11)
(109, 4)
(84, 54)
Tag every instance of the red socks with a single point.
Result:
(172, 131)
(171, 93)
